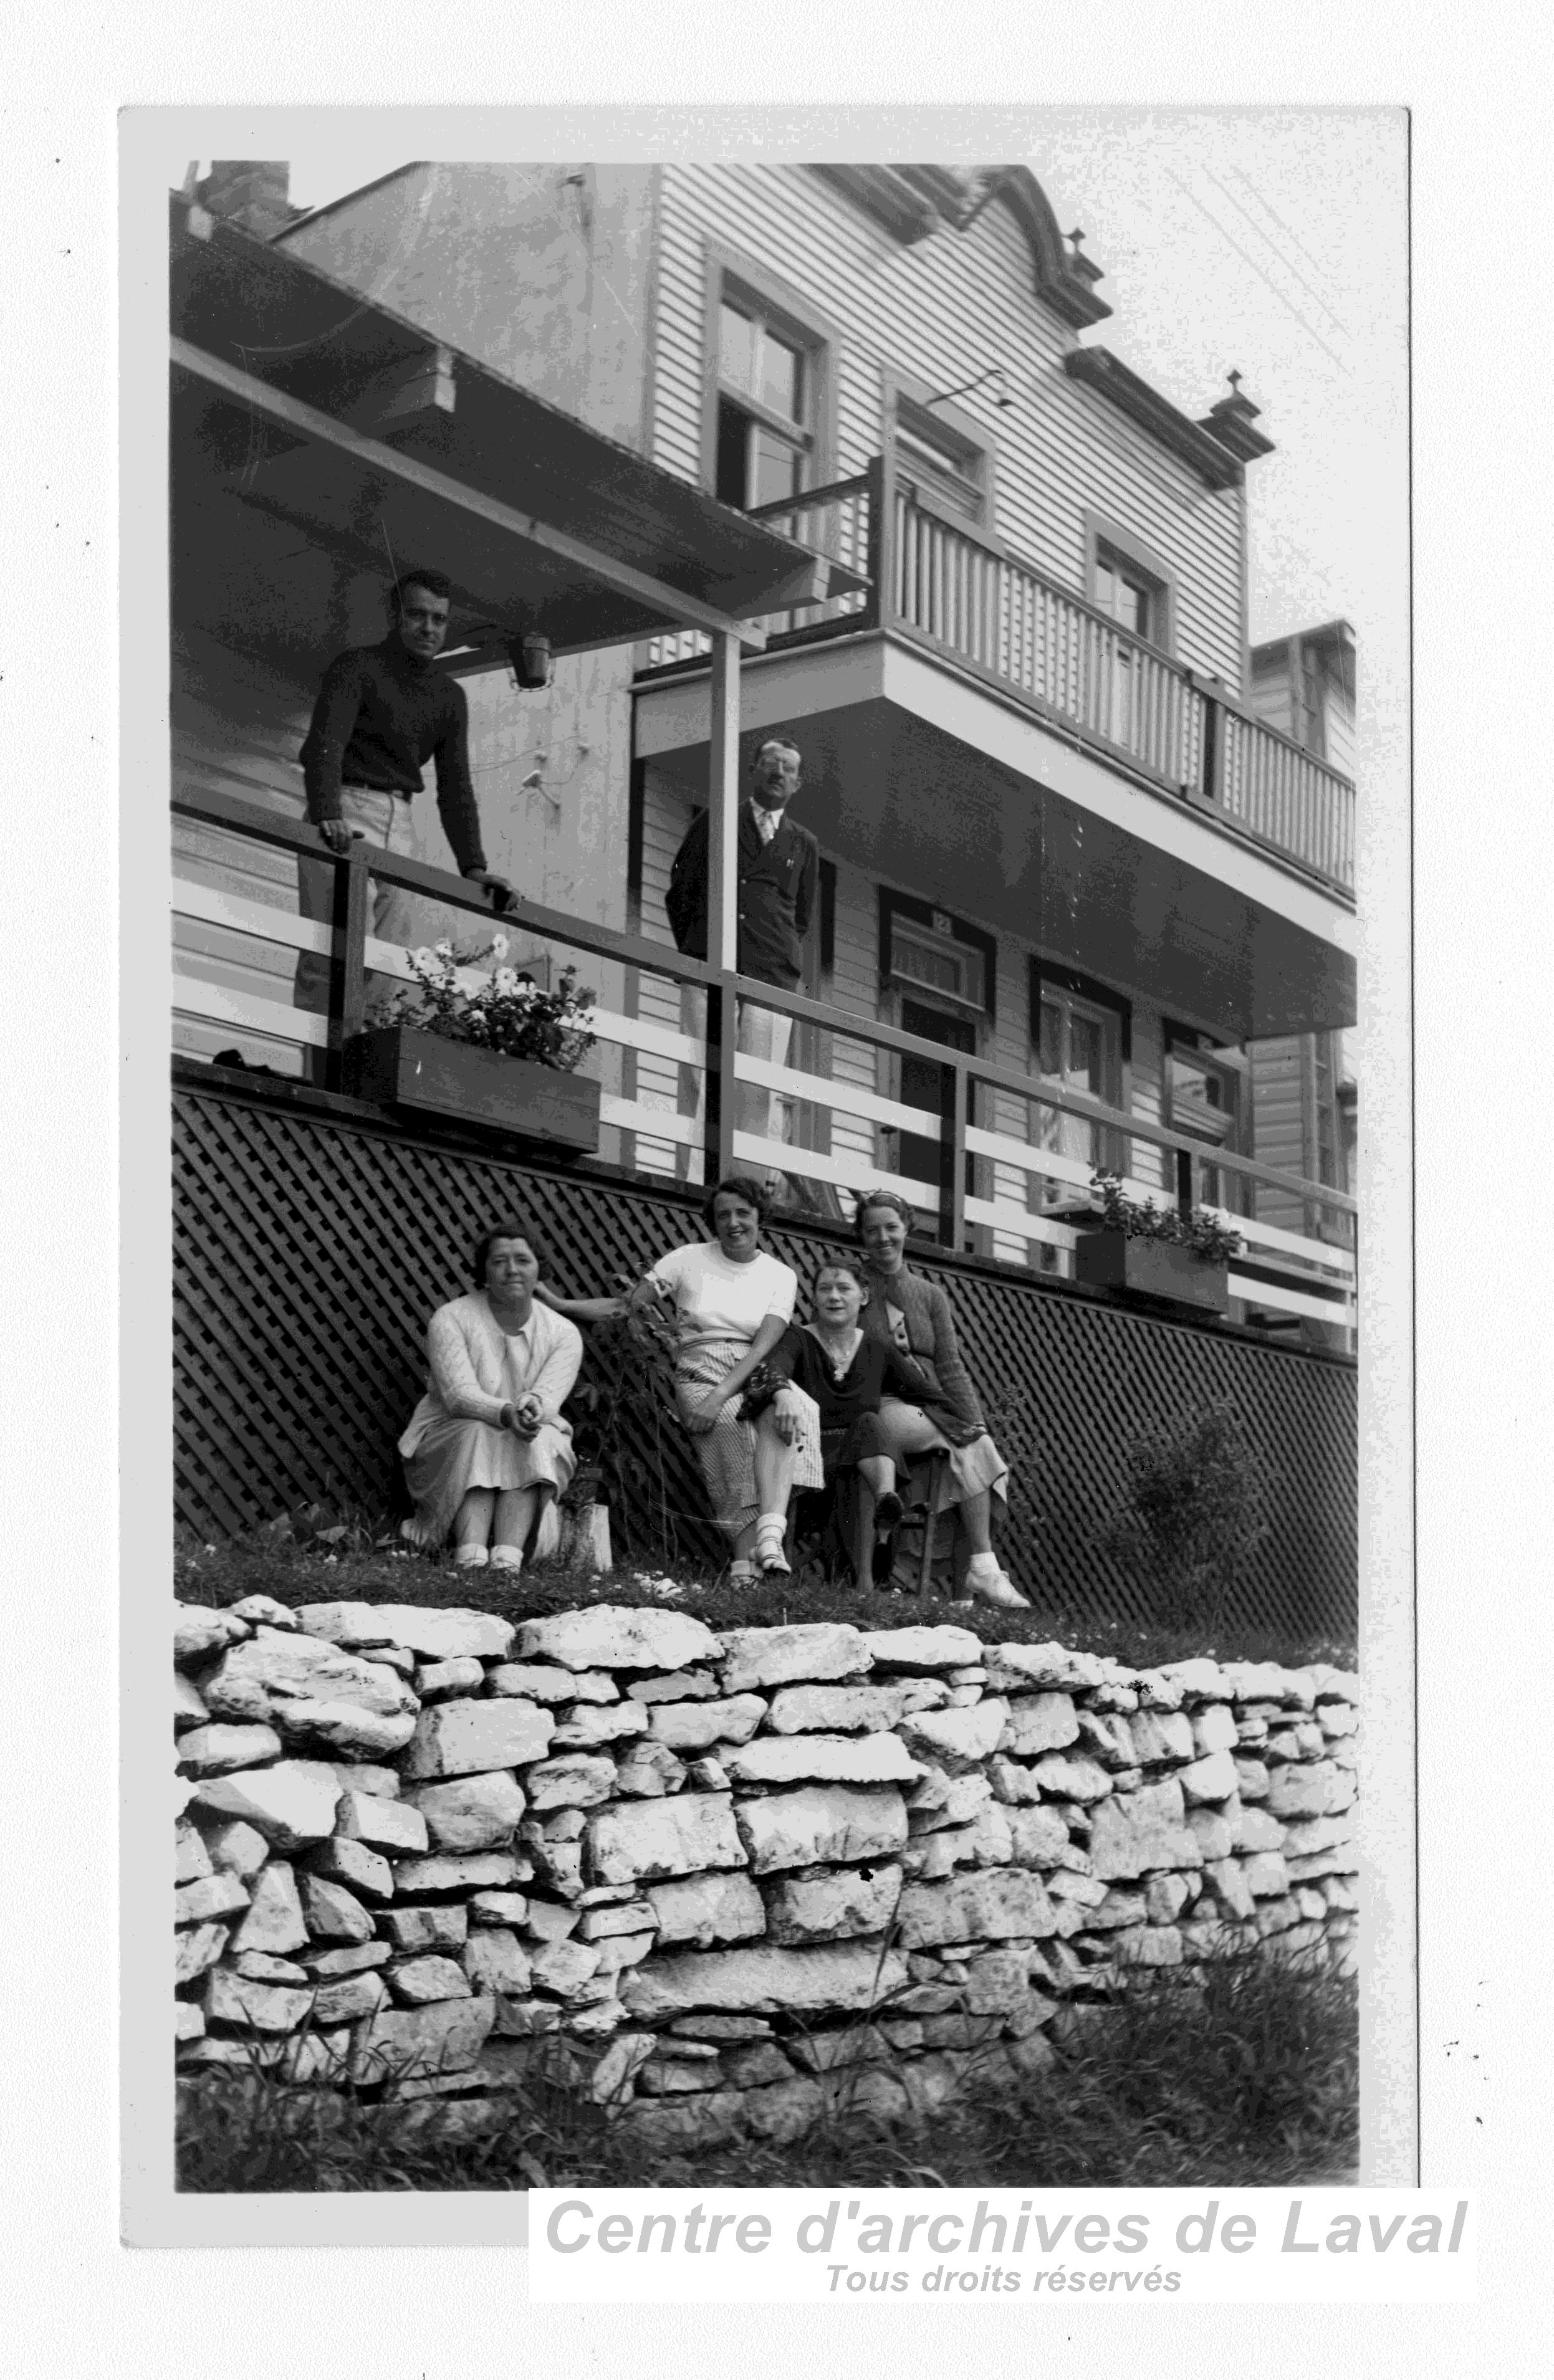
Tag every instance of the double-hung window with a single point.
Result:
(939, 462)
(1128, 595)
(1206, 1098)
(1078, 1045)
(767, 414)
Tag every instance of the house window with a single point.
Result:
(931, 959)
(939, 462)
(1129, 583)
(768, 389)
(1079, 1043)
(1125, 595)
(1206, 1100)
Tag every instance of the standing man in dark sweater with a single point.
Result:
(382, 712)
(779, 865)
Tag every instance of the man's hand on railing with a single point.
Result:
(336, 835)
(497, 889)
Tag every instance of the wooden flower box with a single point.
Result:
(402, 1068)
(1151, 1269)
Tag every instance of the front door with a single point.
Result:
(926, 1085)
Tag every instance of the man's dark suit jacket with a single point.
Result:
(777, 889)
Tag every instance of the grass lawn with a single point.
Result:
(324, 1558)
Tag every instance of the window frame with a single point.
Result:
(1114, 1010)
(1226, 1060)
(775, 304)
(963, 429)
(917, 915)
(1107, 538)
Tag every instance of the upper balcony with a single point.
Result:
(940, 587)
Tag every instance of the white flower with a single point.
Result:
(421, 958)
(443, 949)
(499, 946)
(505, 980)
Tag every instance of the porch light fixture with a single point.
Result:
(994, 371)
(530, 660)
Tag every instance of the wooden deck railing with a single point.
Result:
(991, 1172)
(938, 583)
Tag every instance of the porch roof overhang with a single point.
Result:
(305, 419)
(934, 786)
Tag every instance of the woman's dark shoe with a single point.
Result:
(888, 1510)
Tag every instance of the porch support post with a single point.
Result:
(955, 1111)
(347, 974)
(723, 901)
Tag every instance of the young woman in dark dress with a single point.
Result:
(846, 1373)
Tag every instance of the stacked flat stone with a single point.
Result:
(713, 1880)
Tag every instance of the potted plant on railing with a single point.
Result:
(501, 1051)
(1155, 1251)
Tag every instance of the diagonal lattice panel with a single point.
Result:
(310, 1252)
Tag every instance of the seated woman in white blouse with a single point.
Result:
(732, 1302)
(487, 1446)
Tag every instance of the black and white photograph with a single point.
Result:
(769, 756)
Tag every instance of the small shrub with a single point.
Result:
(1191, 1517)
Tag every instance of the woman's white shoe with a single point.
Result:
(990, 1585)
(507, 1558)
(470, 1558)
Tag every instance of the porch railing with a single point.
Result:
(975, 1164)
(937, 583)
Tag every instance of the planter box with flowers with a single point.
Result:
(1155, 1252)
(490, 1050)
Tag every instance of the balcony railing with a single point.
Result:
(938, 583)
(984, 1165)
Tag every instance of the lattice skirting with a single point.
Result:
(309, 1252)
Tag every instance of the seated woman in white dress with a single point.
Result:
(732, 1302)
(487, 1448)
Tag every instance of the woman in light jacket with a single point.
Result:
(487, 1446)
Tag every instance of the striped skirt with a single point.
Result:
(727, 1452)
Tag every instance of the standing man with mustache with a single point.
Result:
(779, 875)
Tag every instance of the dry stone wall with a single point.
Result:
(713, 1881)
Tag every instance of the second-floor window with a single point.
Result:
(1129, 582)
(767, 378)
(1129, 596)
(940, 462)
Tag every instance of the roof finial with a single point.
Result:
(1235, 379)
(1077, 238)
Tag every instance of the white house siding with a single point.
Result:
(236, 730)
(942, 311)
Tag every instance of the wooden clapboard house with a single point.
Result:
(1069, 838)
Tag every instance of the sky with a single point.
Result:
(1266, 241)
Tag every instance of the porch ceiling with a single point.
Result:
(300, 407)
(918, 807)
